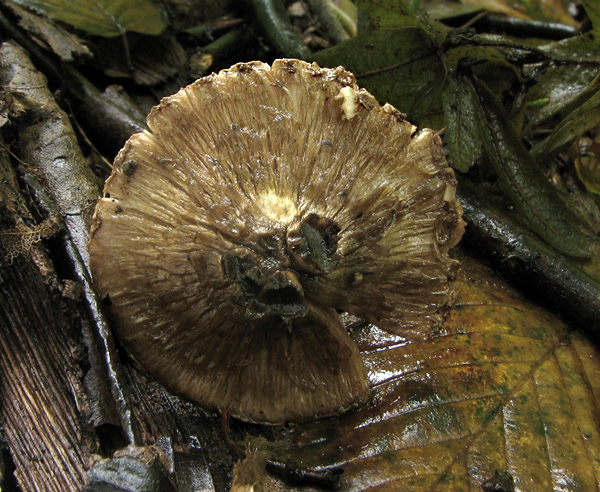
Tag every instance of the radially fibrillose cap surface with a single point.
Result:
(262, 200)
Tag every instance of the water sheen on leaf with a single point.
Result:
(565, 86)
(507, 387)
(102, 17)
(575, 124)
(528, 189)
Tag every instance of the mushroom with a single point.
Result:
(261, 201)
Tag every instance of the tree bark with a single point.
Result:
(44, 409)
(76, 413)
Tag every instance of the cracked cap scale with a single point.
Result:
(261, 201)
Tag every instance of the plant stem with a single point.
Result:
(529, 264)
(277, 29)
(330, 24)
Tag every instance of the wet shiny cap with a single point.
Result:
(261, 201)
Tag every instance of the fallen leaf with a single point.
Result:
(497, 6)
(584, 118)
(592, 9)
(102, 17)
(460, 113)
(396, 58)
(586, 156)
(66, 45)
(530, 192)
(153, 60)
(565, 86)
(540, 10)
(507, 387)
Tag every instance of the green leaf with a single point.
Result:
(531, 193)
(399, 66)
(592, 9)
(566, 86)
(102, 17)
(395, 14)
(389, 13)
(579, 121)
(460, 113)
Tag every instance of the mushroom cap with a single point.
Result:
(261, 200)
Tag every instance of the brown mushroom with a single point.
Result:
(262, 200)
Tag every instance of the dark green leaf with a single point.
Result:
(530, 192)
(390, 13)
(566, 86)
(397, 66)
(460, 103)
(582, 119)
(592, 9)
(102, 17)
(395, 14)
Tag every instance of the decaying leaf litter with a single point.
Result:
(541, 86)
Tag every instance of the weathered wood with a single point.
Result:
(45, 434)
(194, 439)
(43, 405)
(94, 405)
(67, 188)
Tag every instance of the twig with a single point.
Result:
(530, 192)
(50, 149)
(529, 264)
(229, 44)
(100, 111)
(528, 27)
(461, 39)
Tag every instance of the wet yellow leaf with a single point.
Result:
(507, 387)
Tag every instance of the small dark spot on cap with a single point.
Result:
(213, 160)
(328, 143)
(244, 67)
(166, 162)
(290, 67)
(234, 127)
(118, 209)
(129, 168)
(106, 195)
